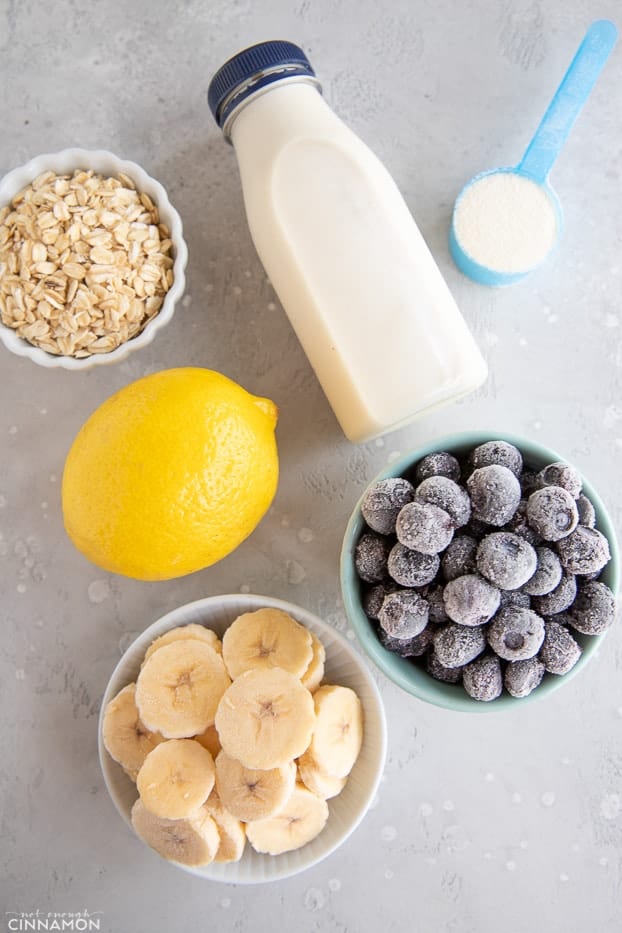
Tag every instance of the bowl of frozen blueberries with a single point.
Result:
(480, 571)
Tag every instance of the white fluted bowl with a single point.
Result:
(343, 666)
(107, 164)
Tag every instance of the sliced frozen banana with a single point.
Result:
(232, 831)
(179, 688)
(264, 639)
(126, 738)
(319, 783)
(312, 677)
(182, 632)
(176, 778)
(300, 820)
(338, 731)
(251, 794)
(193, 841)
(265, 718)
(209, 740)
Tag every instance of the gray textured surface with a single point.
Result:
(482, 823)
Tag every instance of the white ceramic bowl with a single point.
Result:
(105, 163)
(343, 666)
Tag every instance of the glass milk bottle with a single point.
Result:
(346, 259)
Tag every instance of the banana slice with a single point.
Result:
(264, 639)
(176, 778)
(182, 632)
(312, 677)
(126, 738)
(193, 841)
(300, 820)
(179, 688)
(209, 740)
(251, 794)
(318, 782)
(338, 732)
(265, 719)
(232, 832)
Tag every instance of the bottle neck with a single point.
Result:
(299, 82)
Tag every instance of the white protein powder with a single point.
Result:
(506, 222)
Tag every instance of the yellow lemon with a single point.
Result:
(170, 474)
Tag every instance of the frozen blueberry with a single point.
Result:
(408, 647)
(530, 481)
(506, 560)
(482, 678)
(558, 599)
(587, 514)
(411, 568)
(459, 557)
(383, 501)
(470, 600)
(370, 557)
(478, 529)
(514, 598)
(594, 609)
(586, 550)
(521, 527)
(433, 595)
(447, 495)
(559, 652)
(564, 475)
(448, 675)
(439, 464)
(516, 634)
(424, 527)
(372, 600)
(498, 453)
(552, 512)
(403, 614)
(521, 677)
(456, 645)
(548, 573)
(495, 494)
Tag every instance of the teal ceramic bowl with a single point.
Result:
(409, 676)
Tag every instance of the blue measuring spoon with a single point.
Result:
(499, 209)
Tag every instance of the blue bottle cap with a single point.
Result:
(252, 69)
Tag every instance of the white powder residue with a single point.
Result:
(506, 222)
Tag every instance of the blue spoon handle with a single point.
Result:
(569, 99)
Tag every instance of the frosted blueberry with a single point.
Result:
(552, 512)
(403, 614)
(459, 557)
(433, 595)
(470, 600)
(516, 634)
(424, 527)
(594, 609)
(548, 573)
(506, 560)
(383, 501)
(564, 475)
(558, 599)
(370, 557)
(410, 568)
(519, 524)
(408, 647)
(514, 598)
(482, 678)
(587, 514)
(559, 652)
(495, 494)
(521, 677)
(438, 464)
(586, 550)
(372, 600)
(498, 453)
(456, 645)
(448, 675)
(447, 495)
(530, 481)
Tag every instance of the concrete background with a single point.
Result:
(507, 822)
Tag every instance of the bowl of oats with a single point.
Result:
(92, 259)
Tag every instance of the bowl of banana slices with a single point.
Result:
(242, 738)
